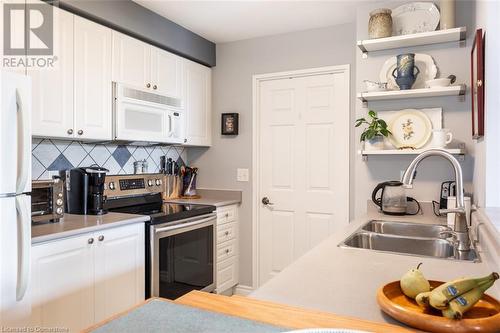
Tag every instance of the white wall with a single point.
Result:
(450, 58)
(486, 180)
(237, 62)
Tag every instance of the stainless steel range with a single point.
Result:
(180, 239)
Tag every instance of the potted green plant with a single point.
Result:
(374, 133)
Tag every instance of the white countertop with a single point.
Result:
(73, 224)
(344, 281)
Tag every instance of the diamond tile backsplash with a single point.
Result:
(50, 156)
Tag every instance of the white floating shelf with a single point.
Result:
(422, 38)
(412, 93)
(454, 151)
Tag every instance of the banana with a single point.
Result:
(423, 299)
(459, 305)
(442, 295)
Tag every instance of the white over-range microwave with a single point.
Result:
(140, 115)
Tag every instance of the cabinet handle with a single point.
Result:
(155, 86)
(80, 132)
(90, 241)
(148, 85)
(70, 131)
(101, 238)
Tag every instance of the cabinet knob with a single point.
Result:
(155, 87)
(90, 241)
(185, 140)
(227, 250)
(148, 85)
(101, 238)
(70, 131)
(226, 233)
(80, 132)
(227, 215)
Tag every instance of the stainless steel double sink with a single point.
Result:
(416, 239)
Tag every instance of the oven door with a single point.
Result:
(183, 257)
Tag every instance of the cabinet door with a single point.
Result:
(119, 269)
(131, 61)
(166, 73)
(63, 283)
(198, 104)
(53, 88)
(93, 89)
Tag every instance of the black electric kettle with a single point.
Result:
(393, 200)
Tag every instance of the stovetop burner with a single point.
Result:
(153, 206)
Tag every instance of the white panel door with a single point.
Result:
(93, 89)
(198, 107)
(63, 283)
(131, 61)
(166, 73)
(304, 166)
(119, 270)
(53, 88)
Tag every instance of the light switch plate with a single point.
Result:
(242, 175)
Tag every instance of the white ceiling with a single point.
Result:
(226, 21)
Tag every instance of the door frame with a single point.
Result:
(256, 80)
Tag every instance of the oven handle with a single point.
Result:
(185, 225)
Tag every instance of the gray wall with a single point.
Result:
(130, 18)
(232, 92)
(450, 58)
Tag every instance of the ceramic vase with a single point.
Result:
(380, 24)
(447, 11)
(377, 143)
(404, 73)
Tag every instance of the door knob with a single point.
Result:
(266, 202)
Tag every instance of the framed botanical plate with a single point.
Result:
(415, 17)
(410, 129)
(424, 62)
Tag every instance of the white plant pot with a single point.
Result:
(377, 143)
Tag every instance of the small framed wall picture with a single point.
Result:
(229, 124)
(477, 85)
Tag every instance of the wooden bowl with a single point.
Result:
(483, 317)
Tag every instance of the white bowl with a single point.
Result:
(443, 82)
(375, 86)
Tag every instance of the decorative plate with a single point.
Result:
(424, 62)
(410, 129)
(415, 17)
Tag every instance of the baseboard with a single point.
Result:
(242, 290)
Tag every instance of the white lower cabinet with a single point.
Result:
(227, 260)
(81, 280)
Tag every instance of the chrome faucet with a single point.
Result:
(461, 230)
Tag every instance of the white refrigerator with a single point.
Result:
(15, 200)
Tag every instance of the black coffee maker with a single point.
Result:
(84, 190)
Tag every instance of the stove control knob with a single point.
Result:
(158, 182)
(150, 182)
(59, 211)
(111, 185)
(59, 202)
(60, 195)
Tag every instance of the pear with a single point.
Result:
(414, 283)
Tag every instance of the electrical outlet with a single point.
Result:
(242, 175)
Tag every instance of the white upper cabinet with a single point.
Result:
(93, 88)
(198, 109)
(166, 73)
(131, 61)
(144, 66)
(53, 88)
